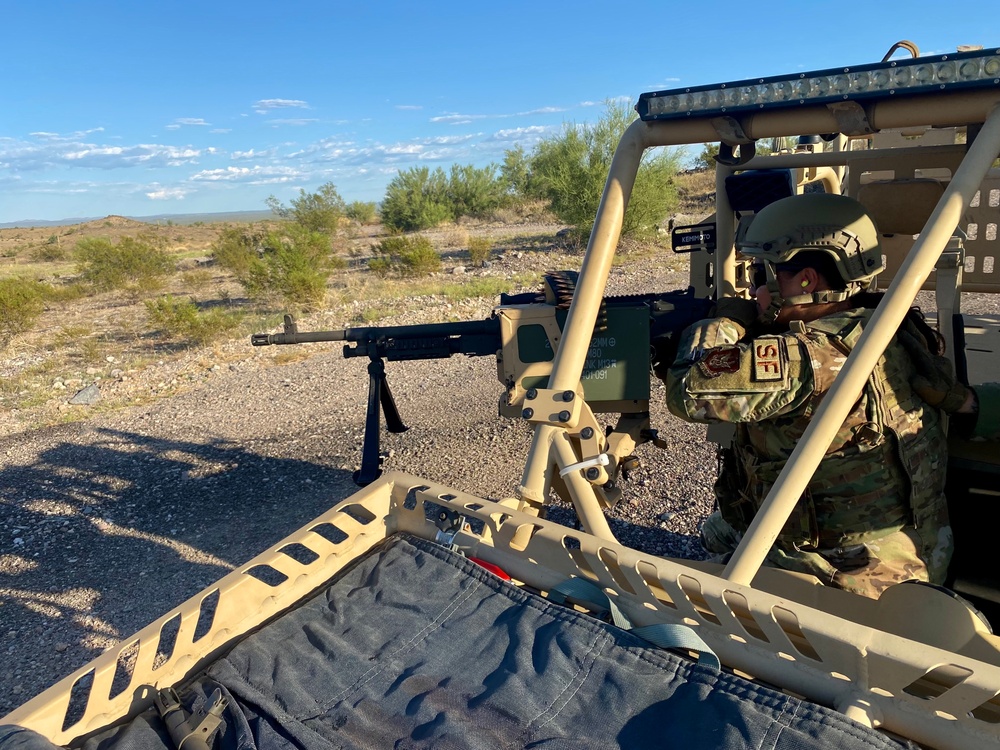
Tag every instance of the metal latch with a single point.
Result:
(190, 732)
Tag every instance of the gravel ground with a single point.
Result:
(107, 523)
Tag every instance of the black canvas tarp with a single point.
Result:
(417, 647)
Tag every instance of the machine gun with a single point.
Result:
(393, 343)
(523, 333)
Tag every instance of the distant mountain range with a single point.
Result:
(183, 219)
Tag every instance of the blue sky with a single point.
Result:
(141, 108)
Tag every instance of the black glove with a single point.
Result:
(934, 377)
(743, 311)
(663, 352)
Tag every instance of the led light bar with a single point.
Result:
(962, 70)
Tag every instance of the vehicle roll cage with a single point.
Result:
(550, 448)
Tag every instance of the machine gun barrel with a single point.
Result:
(399, 343)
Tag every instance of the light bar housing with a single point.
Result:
(894, 78)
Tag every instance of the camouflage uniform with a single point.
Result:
(874, 513)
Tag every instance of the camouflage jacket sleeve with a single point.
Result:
(718, 376)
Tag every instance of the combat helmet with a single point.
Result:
(815, 222)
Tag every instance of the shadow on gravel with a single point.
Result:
(104, 535)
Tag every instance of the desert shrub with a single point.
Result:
(294, 265)
(473, 191)
(135, 263)
(21, 302)
(417, 199)
(48, 252)
(479, 250)
(420, 259)
(181, 319)
(318, 212)
(514, 173)
(196, 278)
(381, 267)
(405, 256)
(570, 170)
(362, 212)
(238, 248)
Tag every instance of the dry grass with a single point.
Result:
(83, 337)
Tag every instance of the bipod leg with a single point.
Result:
(379, 395)
(393, 422)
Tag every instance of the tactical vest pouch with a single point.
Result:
(743, 484)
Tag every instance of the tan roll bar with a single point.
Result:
(888, 316)
(543, 460)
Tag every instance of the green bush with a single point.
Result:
(479, 250)
(237, 248)
(318, 212)
(381, 267)
(475, 192)
(514, 173)
(21, 302)
(405, 256)
(570, 170)
(417, 199)
(362, 212)
(49, 252)
(181, 319)
(135, 263)
(293, 265)
(421, 259)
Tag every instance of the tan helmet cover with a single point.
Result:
(834, 224)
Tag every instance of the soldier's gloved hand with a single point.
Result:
(663, 352)
(743, 311)
(934, 378)
(940, 394)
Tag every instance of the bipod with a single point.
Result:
(379, 395)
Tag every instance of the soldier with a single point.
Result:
(874, 513)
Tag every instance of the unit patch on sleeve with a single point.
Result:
(720, 360)
(768, 362)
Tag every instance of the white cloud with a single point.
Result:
(114, 157)
(191, 121)
(219, 131)
(454, 118)
(539, 111)
(293, 121)
(665, 83)
(446, 139)
(457, 119)
(49, 153)
(252, 154)
(255, 175)
(75, 136)
(263, 106)
(167, 193)
(409, 106)
(517, 134)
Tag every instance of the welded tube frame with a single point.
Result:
(956, 109)
(846, 388)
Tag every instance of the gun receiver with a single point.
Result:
(632, 333)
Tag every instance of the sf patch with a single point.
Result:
(768, 362)
(719, 361)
